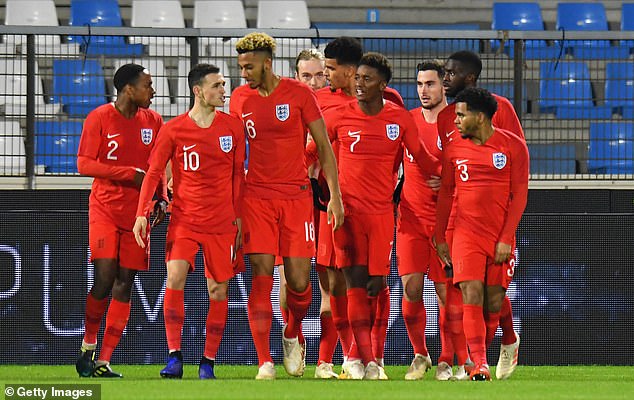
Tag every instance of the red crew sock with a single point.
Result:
(454, 321)
(94, 313)
(475, 332)
(446, 351)
(491, 320)
(260, 315)
(506, 322)
(359, 313)
(379, 327)
(328, 339)
(298, 304)
(339, 308)
(116, 320)
(415, 318)
(174, 315)
(215, 326)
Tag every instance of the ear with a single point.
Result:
(471, 79)
(383, 85)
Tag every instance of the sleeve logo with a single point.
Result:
(392, 131)
(146, 135)
(226, 143)
(439, 143)
(499, 160)
(282, 111)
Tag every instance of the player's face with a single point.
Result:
(211, 92)
(430, 90)
(142, 91)
(311, 72)
(338, 75)
(369, 84)
(455, 77)
(466, 121)
(253, 67)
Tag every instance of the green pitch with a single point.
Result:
(236, 382)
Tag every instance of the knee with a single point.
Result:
(299, 284)
(122, 290)
(217, 292)
(176, 281)
(374, 287)
(412, 292)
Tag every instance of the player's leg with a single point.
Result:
(214, 327)
(445, 360)
(174, 315)
(329, 337)
(381, 320)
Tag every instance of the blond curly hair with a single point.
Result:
(256, 41)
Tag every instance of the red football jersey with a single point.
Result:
(490, 183)
(118, 146)
(276, 126)
(327, 98)
(418, 200)
(238, 97)
(369, 147)
(207, 168)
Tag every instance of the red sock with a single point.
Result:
(116, 320)
(215, 326)
(454, 321)
(372, 302)
(328, 339)
(359, 313)
(379, 327)
(174, 315)
(446, 351)
(284, 312)
(298, 304)
(415, 319)
(506, 322)
(94, 313)
(260, 315)
(491, 320)
(339, 308)
(475, 331)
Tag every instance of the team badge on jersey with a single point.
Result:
(226, 143)
(282, 111)
(499, 160)
(392, 131)
(146, 135)
(439, 144)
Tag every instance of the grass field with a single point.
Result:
(236, 382)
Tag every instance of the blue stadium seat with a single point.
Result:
(587, 17)
(408, 45)
(552, 158)
(619, 85)
(79, 85)
(408, 93)
(627, 23)
(611, 148)
(56, 145)
(521, 17)
(100, 13)
(564, 84)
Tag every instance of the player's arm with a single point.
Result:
(89, 165)
(517, 201)
(161, 153)
(329, 167)
(427, 161)
(507, 119)
(238, 182)
(443, 208)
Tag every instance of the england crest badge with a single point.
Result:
(392, 131)
(226, 143)
(499, 160)
(146, 135)
(282, 111)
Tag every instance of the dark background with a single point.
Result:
(573, 292)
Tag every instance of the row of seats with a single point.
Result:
(610, 151)
(570, 17)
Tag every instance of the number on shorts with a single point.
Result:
(309, 229)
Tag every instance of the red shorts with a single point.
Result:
(183, 244)
(473, 261)
(366, 240)
(325, 244)
(110, 242)
(415, 251)
(280, 227)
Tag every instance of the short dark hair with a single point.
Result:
(199, 72)
(128, 74)
(379, 62)
(469, 60)
(346, 50)
(432, 65)
(478, 100)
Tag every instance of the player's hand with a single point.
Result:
(238, 241)
(443, 253)
(502, 252)
(434, 183)
(160, 211)
(138, 177)
(170, 185)
(140, 231)
(335, 212)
